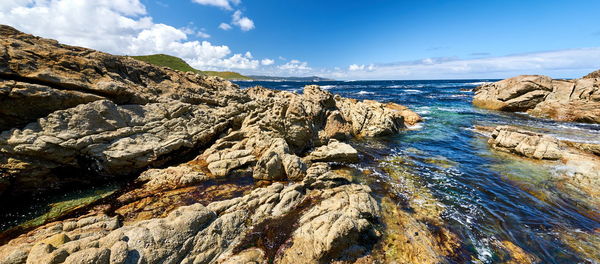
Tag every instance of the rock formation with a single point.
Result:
(319, 225)
(72, 116)
(575, 100)
(580, 177)
(525, 143)
(100, 116)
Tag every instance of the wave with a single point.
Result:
(415, 127)
(327, 87)
(477, 83)
(406, 86)
(412, 91)
(365, 93)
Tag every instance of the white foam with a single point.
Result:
(478, 83)
(412, 91)
(327, 87)
(365, 92)
(415, 127)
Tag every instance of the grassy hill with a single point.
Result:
(179, 64)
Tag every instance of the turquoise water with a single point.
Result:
(488, 196)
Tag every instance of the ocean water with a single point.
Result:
(488, 196)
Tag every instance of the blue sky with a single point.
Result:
(376, 39)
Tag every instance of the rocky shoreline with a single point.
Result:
(100, 118)
(192, 169)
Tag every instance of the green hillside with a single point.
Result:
(179, 64)
(227, 75)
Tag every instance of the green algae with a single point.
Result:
(69, 204)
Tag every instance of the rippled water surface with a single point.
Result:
(488, 196)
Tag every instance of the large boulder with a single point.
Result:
(564, 100)
(525, 143)
(335, 151)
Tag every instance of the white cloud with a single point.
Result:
(295, 66)
(225, 4)
(119, 27)
(355, 67)
(224, 26)
(244, 23)
(201, 34)
(267, 62)
(559, 64)
(362, 67)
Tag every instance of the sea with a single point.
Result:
(488, 196)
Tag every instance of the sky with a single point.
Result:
(347, 40)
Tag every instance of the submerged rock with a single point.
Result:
(575, 100)
(414, 229)
(579, 175)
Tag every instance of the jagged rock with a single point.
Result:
(330, 230)
(99, 113)
(103, 116)
(23, 102)
(220, 231)
(121, 79)
(564, 100)
(591, 75)
(294, 167)
(107, 139)
(525, 143)
(371, 119)
(335, 151)
(172, 177)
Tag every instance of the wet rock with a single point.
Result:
(414, 229)
(513, 254)
(585, 243)
(575, 100)
(579, 178)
